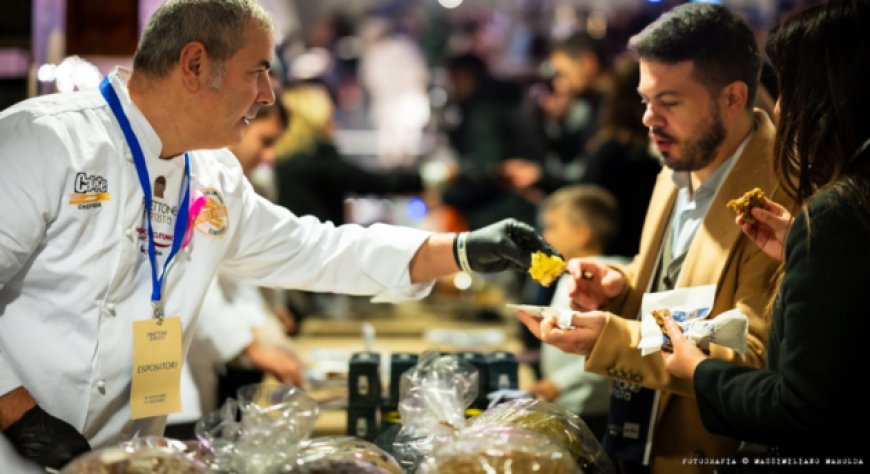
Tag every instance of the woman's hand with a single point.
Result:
(770, 228)
(686, 356)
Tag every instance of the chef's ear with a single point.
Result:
(192, 60)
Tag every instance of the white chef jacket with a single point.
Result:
(73, 276)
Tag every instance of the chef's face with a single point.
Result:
(231, 102)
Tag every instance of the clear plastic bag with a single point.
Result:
(217, 434)
(434, 396)
(500, 450)
(556, 423)
(260, 432)
(342, 455)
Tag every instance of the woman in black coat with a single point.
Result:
(807, 401)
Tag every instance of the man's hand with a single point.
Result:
(545, 389)
(520, 173)
(283, 365)
(592, 285)
(686, 356)
(45, 440)
(500, 246)
(579, 339)
(770, 228)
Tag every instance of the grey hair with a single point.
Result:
(217, 24)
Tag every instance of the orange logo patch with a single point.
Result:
(213, 220)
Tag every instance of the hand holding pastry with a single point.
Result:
(767, 225)
(686, 356)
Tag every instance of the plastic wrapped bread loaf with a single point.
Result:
(133, 460)
(558, 424)
(501, 450)
(342, 455)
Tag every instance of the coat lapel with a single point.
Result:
(717, 237)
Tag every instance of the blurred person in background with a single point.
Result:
(805, 403)
(393, 72)
(579, 221)
(479, 122)
(312, 177)
(565, 117)
(699, 69)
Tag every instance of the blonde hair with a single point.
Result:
(310, 109)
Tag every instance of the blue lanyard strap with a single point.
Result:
(142, 171)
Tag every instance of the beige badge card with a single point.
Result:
(156, 389)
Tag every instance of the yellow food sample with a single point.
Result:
(744, 204)
(545, 268)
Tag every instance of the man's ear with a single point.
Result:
(193, 62)
(734, 96)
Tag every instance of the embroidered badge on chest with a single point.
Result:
(213, 219)
(89, 191)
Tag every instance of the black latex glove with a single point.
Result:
(46, 440)
(500, 246)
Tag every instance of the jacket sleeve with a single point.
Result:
(31, 186)
(273, 247)
(819, 335)
(9, 380)
(616, 354)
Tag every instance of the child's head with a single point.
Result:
(580, 220)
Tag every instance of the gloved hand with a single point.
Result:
(497, 247)
(46, 440)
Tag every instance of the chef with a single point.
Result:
(117, 207)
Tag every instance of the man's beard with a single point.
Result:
(696, 153)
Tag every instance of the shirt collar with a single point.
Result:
(682, 180)
(145, 133)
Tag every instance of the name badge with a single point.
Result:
(156, 389)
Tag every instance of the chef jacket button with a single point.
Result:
(101, 386)
(110, 307)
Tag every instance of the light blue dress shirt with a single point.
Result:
(692, 205)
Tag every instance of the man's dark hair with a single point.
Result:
(718, 42)
(579, 44)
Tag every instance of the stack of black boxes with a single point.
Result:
(496, 371)
(364, 395)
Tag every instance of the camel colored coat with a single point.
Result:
(719, 254)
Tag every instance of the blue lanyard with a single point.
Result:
(142, 171)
